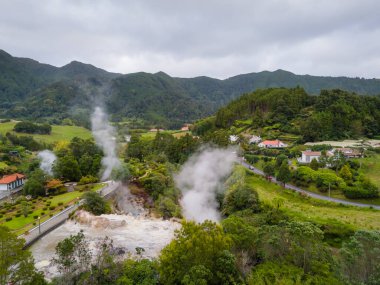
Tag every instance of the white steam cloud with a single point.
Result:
(104, 135)
(199, 180)
(47, 159)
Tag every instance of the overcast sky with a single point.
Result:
(190, 38)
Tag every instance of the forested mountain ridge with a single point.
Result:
(334, 114)
(27, 87)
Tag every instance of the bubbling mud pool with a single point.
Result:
(127, 232)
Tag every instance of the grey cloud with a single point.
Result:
(190, 38)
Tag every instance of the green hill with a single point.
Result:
(334, 114)
(31, 90)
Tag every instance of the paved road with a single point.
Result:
(38, 231)
(308, 193)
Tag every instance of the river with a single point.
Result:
(128, 231)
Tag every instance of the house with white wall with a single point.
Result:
(13, 181)
(272, 144)
(308, 156)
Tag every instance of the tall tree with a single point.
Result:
(284, 175)
(16, 264)
(199, 253)
(360, 257)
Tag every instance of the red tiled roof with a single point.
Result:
(276, 142)
(10, 178)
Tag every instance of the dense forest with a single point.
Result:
(334, 114)
(31, 90)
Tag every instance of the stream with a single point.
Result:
(135, 228)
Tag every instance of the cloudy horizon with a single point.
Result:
(194, 38)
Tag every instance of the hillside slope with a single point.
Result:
(32, 90)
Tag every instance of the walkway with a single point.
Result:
(55, 221)
(308, 193)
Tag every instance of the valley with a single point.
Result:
(187, 204)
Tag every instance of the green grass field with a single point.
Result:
(370, 167)
(308, 209)
(21, 224)
(59, 133)
(175, 133)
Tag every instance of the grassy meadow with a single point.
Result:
(318, 211)
(175, 133)
(370, 167)
(58, 133)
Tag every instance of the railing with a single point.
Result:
(37, 232)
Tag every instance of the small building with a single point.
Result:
(346, 152)
(308, 156)
(272, 144)
(13, 181)
(254, 139)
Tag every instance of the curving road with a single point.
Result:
(308, 193)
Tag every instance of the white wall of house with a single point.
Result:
(13, 185)
(308, 158)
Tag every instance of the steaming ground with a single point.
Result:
(105, 137)
(47, 159)
(200, 179)
(127, 231)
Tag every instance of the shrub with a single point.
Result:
(52, 208)
(35, 217)
(44, 208)
(7, 219)
(51, 215)
(364, 189)
(251, 158)
(34, 223)
(1, 216)
(42, 213)
(60, 203)
(95, 204)
(88, 179)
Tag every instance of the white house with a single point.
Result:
(272, 144)
(254, 139)
(308, 156)
(13, 181)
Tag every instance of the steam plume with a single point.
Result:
(47, 159)
(199, 180)
(104, 135)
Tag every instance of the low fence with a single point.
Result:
(37, 232)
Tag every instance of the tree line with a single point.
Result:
(334, 114)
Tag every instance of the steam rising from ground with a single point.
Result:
(47, 159)
(200, 179)
(104, 135)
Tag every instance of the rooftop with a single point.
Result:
(10, 178)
